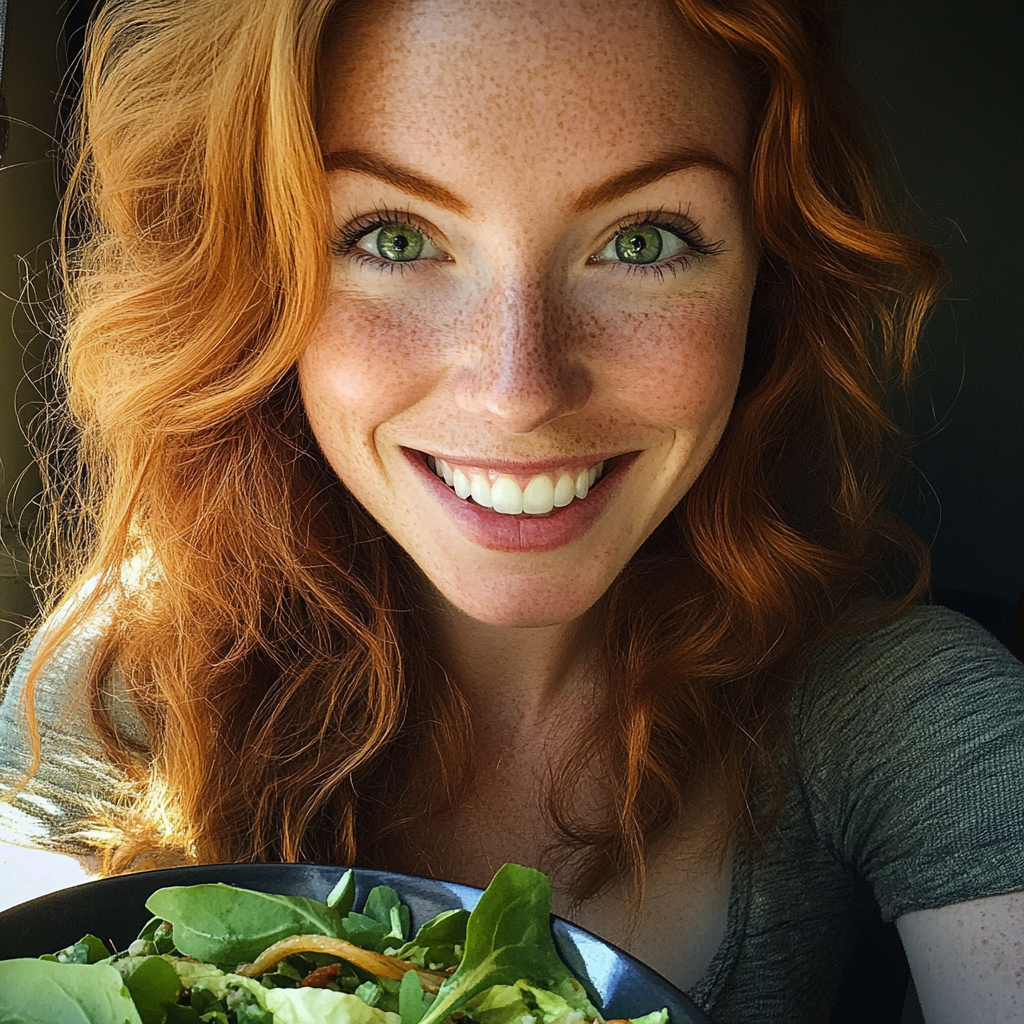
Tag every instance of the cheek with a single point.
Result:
(365, 364)
(678, 366)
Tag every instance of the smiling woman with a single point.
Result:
(484, 451)
(549, 307)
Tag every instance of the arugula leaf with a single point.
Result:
(222, 924)
(410, 998)
(247, 1007)
(45, 992)
(439, 942)
(343, 895)
(508, 938)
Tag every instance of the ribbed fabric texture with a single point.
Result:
(909, 794)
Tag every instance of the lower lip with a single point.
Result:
(498, 532)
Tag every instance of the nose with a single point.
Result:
(521, 367)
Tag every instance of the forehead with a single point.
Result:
(569, 87)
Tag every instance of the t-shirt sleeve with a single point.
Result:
(911, 745)
(74, 781)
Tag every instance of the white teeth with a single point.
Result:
(507, 496)
(481, 490)
(463, 488)
(539, 496)
(565, 491)
(504, 495)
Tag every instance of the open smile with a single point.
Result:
(522, 507)
(512, 494)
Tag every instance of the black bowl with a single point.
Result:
(114, 910)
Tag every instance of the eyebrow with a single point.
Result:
(400, 177)
(590, 198)
(648, 173)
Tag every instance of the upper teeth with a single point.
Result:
(504, 494)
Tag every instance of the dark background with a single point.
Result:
(941, 80)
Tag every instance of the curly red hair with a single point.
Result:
(273, 648)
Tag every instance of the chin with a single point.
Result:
(520, 603)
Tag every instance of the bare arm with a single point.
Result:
(26, 874)
(968, 960)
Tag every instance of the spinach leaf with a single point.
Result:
(177, 1014)
(508, 937)
(163, 939)
(154, 986)
(384, 921)
(44, 992)
(87, 950)
(384, 905)
(222, 924)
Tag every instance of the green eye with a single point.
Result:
(639, 244)
(397, 242)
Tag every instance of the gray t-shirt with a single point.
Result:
(909, 795)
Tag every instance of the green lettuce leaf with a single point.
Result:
(657, 1017)
(523, 1003)
(322, 1006)
(45, 992)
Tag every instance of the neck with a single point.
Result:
(515, 676)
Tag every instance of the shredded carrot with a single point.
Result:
(376, 963)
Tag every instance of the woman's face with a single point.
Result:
(540, 289)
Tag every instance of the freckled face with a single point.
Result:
(543, 270)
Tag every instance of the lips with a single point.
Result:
(508, 494)
(526, 531)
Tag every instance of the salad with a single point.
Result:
(218, 954)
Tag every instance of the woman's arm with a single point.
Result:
(26, 874)
(968, 960)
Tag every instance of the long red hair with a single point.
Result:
(266, 626)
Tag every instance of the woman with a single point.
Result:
(541, 520)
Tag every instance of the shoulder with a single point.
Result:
(73, 778)
(909, 740)
(927, 664)
(59, 691)
(57, 686)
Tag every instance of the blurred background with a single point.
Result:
(941, 80)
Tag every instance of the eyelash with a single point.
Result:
(345, 243)
(678, 224)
